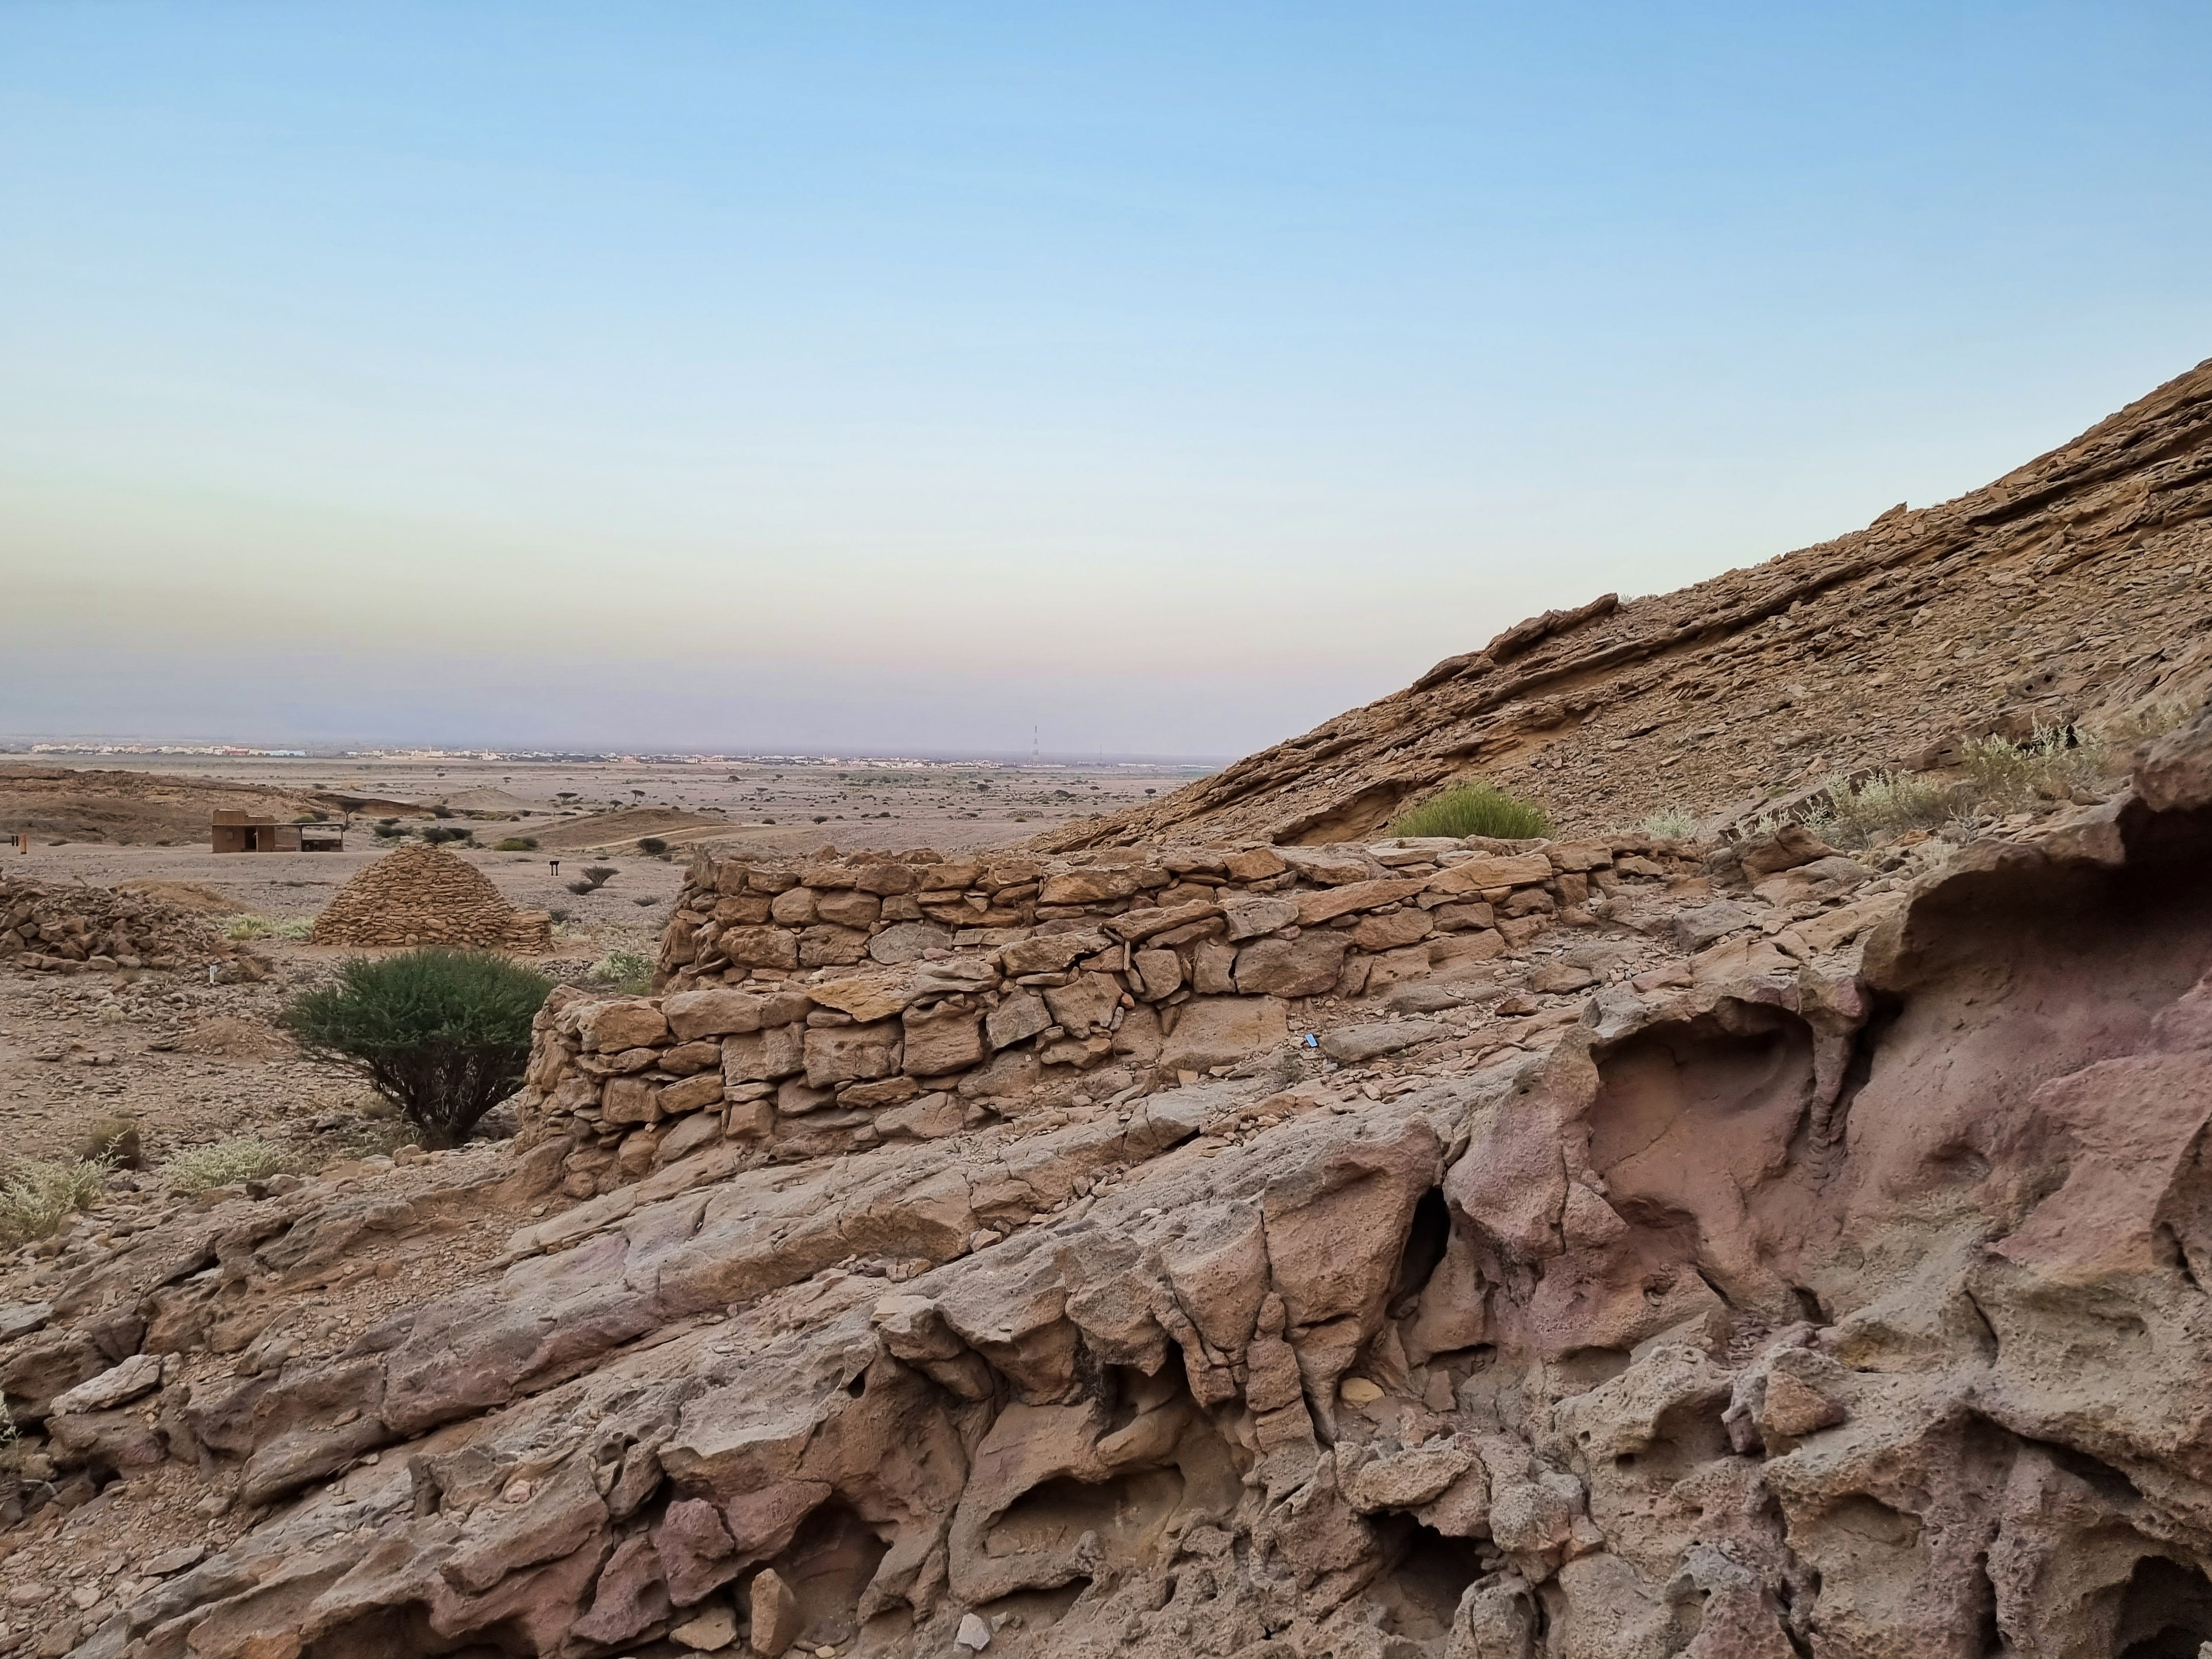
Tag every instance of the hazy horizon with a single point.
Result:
(878, 380)
(135, 742)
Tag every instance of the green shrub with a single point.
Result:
(37, 1197)
(1673, 824)
(438, 834)
(627, 972)
(652, 844)
(598, 875)
(515, 844)
(443, 1035)
(1474, 809)
(227, 1163)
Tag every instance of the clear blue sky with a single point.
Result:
(900, 376)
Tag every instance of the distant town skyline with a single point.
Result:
(874, 378)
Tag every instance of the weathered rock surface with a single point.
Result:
(1782, 1305)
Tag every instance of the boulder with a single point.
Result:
(1306, 966)
(1211, 1031)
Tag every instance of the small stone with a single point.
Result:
(165, 1562)
(1359, 1391)
(973, 1634)
(775, 1614)
(708, 1630)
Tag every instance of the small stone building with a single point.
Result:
(234, 832)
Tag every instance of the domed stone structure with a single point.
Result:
(421, 895)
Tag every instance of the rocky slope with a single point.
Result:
(1787, 1295)
(2077, 588)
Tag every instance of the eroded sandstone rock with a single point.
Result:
(1780, 1310)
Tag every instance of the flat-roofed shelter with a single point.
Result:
(234, 832)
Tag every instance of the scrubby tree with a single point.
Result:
(443, 1035)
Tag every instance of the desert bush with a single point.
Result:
(112, 1141)
(443, 1035)
(1888, 804)
(515, 844)
(1474, 809)
(598, 875)
(37, 1196)
(628, 972)
(438, 834)
(257, 926)
(1675, 824)
(441, 811)
(651, 844)
(2051, 765)
(227, 1163)
(2151, 720)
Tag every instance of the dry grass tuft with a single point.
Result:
(37, 1197)
(1475, 809)
(227, 1163)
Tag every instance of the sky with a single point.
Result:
(915, 377)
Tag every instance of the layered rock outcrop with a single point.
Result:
(2072, 589)
(1833, 1306)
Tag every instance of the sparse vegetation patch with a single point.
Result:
(257, 926)
(227, 1163)
(1475, 809)
(36, 1196)
(627, 972)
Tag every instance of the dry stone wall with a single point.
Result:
(818, 1007)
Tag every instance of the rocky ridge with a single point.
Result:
(1776, 1300)
(2073, 589)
